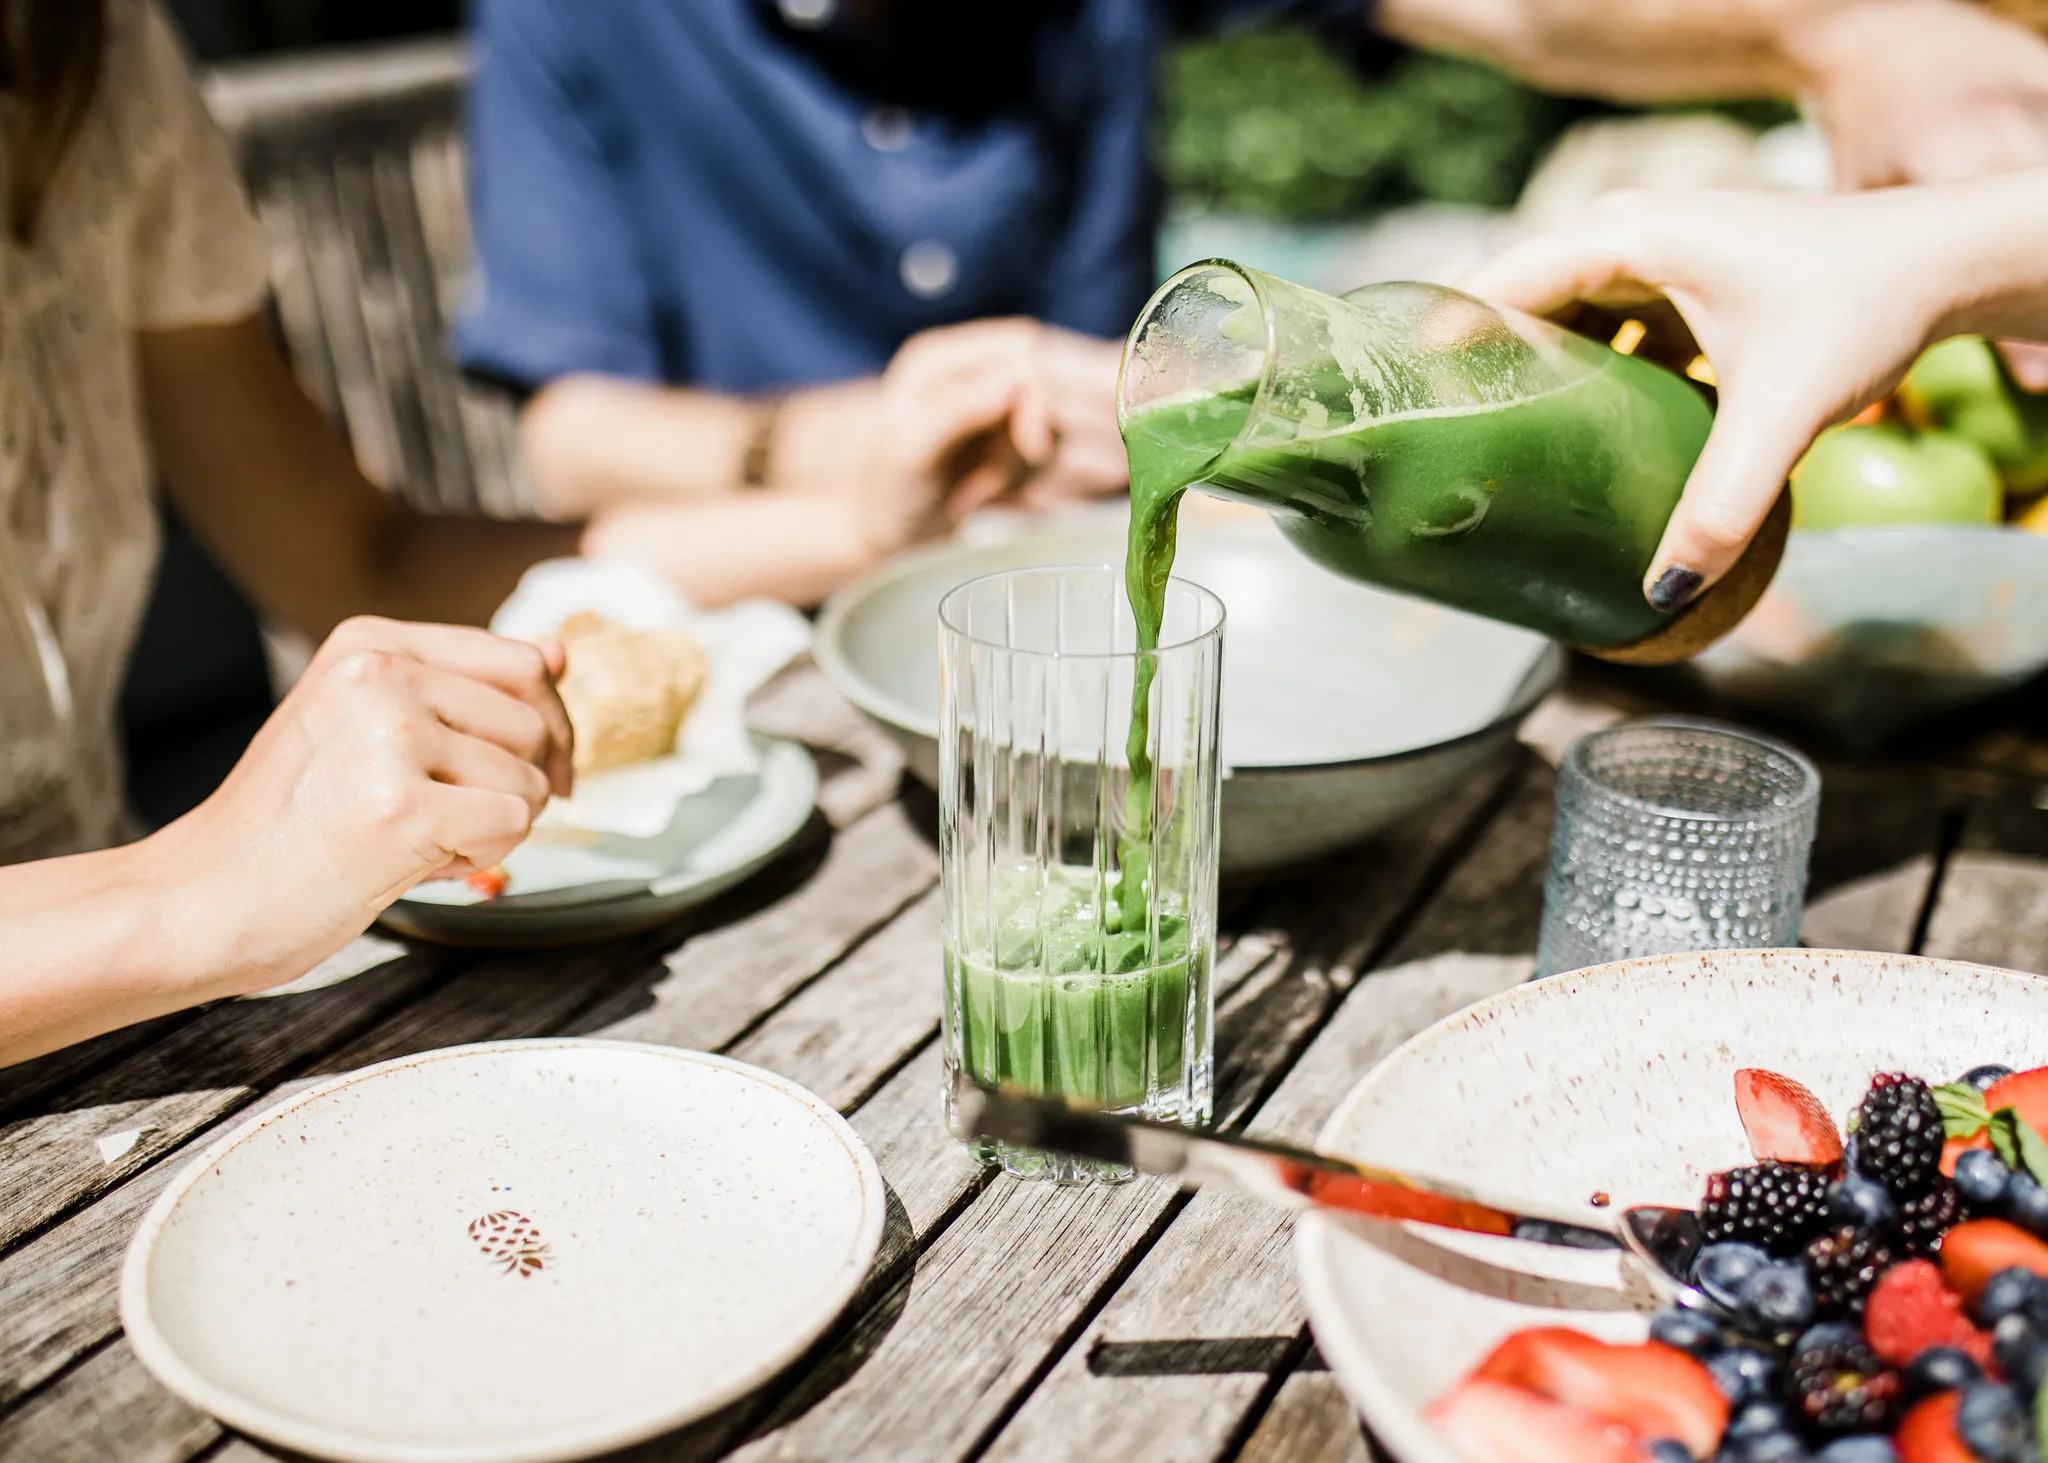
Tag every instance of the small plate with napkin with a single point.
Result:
(676, 800)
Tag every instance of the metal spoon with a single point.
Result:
(1662, 1240)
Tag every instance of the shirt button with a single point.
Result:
(887, 129)
(929, 269)
(808, 14)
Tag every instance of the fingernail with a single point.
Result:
(1674, 589)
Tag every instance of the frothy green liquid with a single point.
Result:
(1055, 997)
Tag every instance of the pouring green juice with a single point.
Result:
(1409, 436)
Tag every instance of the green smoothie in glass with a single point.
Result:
(1058, 999)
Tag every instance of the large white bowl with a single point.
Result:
(1616, 1079)
(1344, 708)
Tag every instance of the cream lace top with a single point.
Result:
(145, 228)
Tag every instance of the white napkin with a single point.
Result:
(744, 647)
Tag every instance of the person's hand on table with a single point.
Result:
(1808, 309)
(405, 753)
(1077, 376)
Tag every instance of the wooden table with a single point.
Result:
(1004, 1321)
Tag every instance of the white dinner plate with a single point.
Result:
(1617, 1080)
(503, 1253)
(567, 885)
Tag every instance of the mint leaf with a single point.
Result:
(1963, 1113)
(2005, 1140)
(2033, 1150)
(2041, 1423)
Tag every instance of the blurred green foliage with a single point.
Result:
(1281, 123)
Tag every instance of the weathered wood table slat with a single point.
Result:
(1003, 1321)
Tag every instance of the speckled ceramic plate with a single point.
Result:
(1617, 1079)
(504, 1253)
(570, 885)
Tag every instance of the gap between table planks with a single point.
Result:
(57, 1291)
(1486, 901)
(811, 1029)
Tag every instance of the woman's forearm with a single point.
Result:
(793, 546)
(1986, 254)
(98, 941)
(595, 442)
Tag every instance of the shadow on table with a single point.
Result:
(422, 998)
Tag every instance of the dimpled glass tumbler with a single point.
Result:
(1079, 896)
(1676, 835)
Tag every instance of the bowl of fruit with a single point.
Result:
(1859, 1139)
(1916, 576)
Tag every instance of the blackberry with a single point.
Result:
(1844, 1388)
(1923, 1221)
(1845, 1264)
(1778, 1206)
(1899, 1135)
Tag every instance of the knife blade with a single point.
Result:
(1292, 1177)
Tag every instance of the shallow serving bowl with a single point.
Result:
(1344, 708)
(1619, 1080)
(1865, 630)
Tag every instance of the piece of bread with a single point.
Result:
(627, 691)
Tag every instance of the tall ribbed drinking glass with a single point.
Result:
(1676, 835)
(1078, 871)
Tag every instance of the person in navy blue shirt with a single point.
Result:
(867, 258)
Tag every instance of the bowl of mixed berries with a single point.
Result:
(1865, 1203)
(1871, 1294)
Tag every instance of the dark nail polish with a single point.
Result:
(1674, 589)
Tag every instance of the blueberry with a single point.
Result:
(1982, 1077)
(1689, 1331)
(2026, 1204)
(1754, 1419)
(2017, 1347)
(1982, 1178)
(1665, 1450)
(1864, 1203)
(1827, 1333)
(2011, 1292)
(1866, 1448)
(1771, 1448)
(1993, 1426)
(1939, 1369)
(1743, 1373)
(1721, 1270)
(1852, 1153)
(1776, 1299)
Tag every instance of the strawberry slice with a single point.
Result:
(2027, 1092)
(1974, 1251)
(1928, 1433)
(1912, 1308)
(1654, 1390)
(1487, 1421)
(1955, 1148)
(1784, 1121)
(490, 882)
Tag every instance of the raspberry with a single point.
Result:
(1778, 1206)
(1911, 1309)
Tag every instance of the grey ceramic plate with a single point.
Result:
(568, 887)
(1344, 708)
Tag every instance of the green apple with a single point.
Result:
(1961, 386)
(1853, 476)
